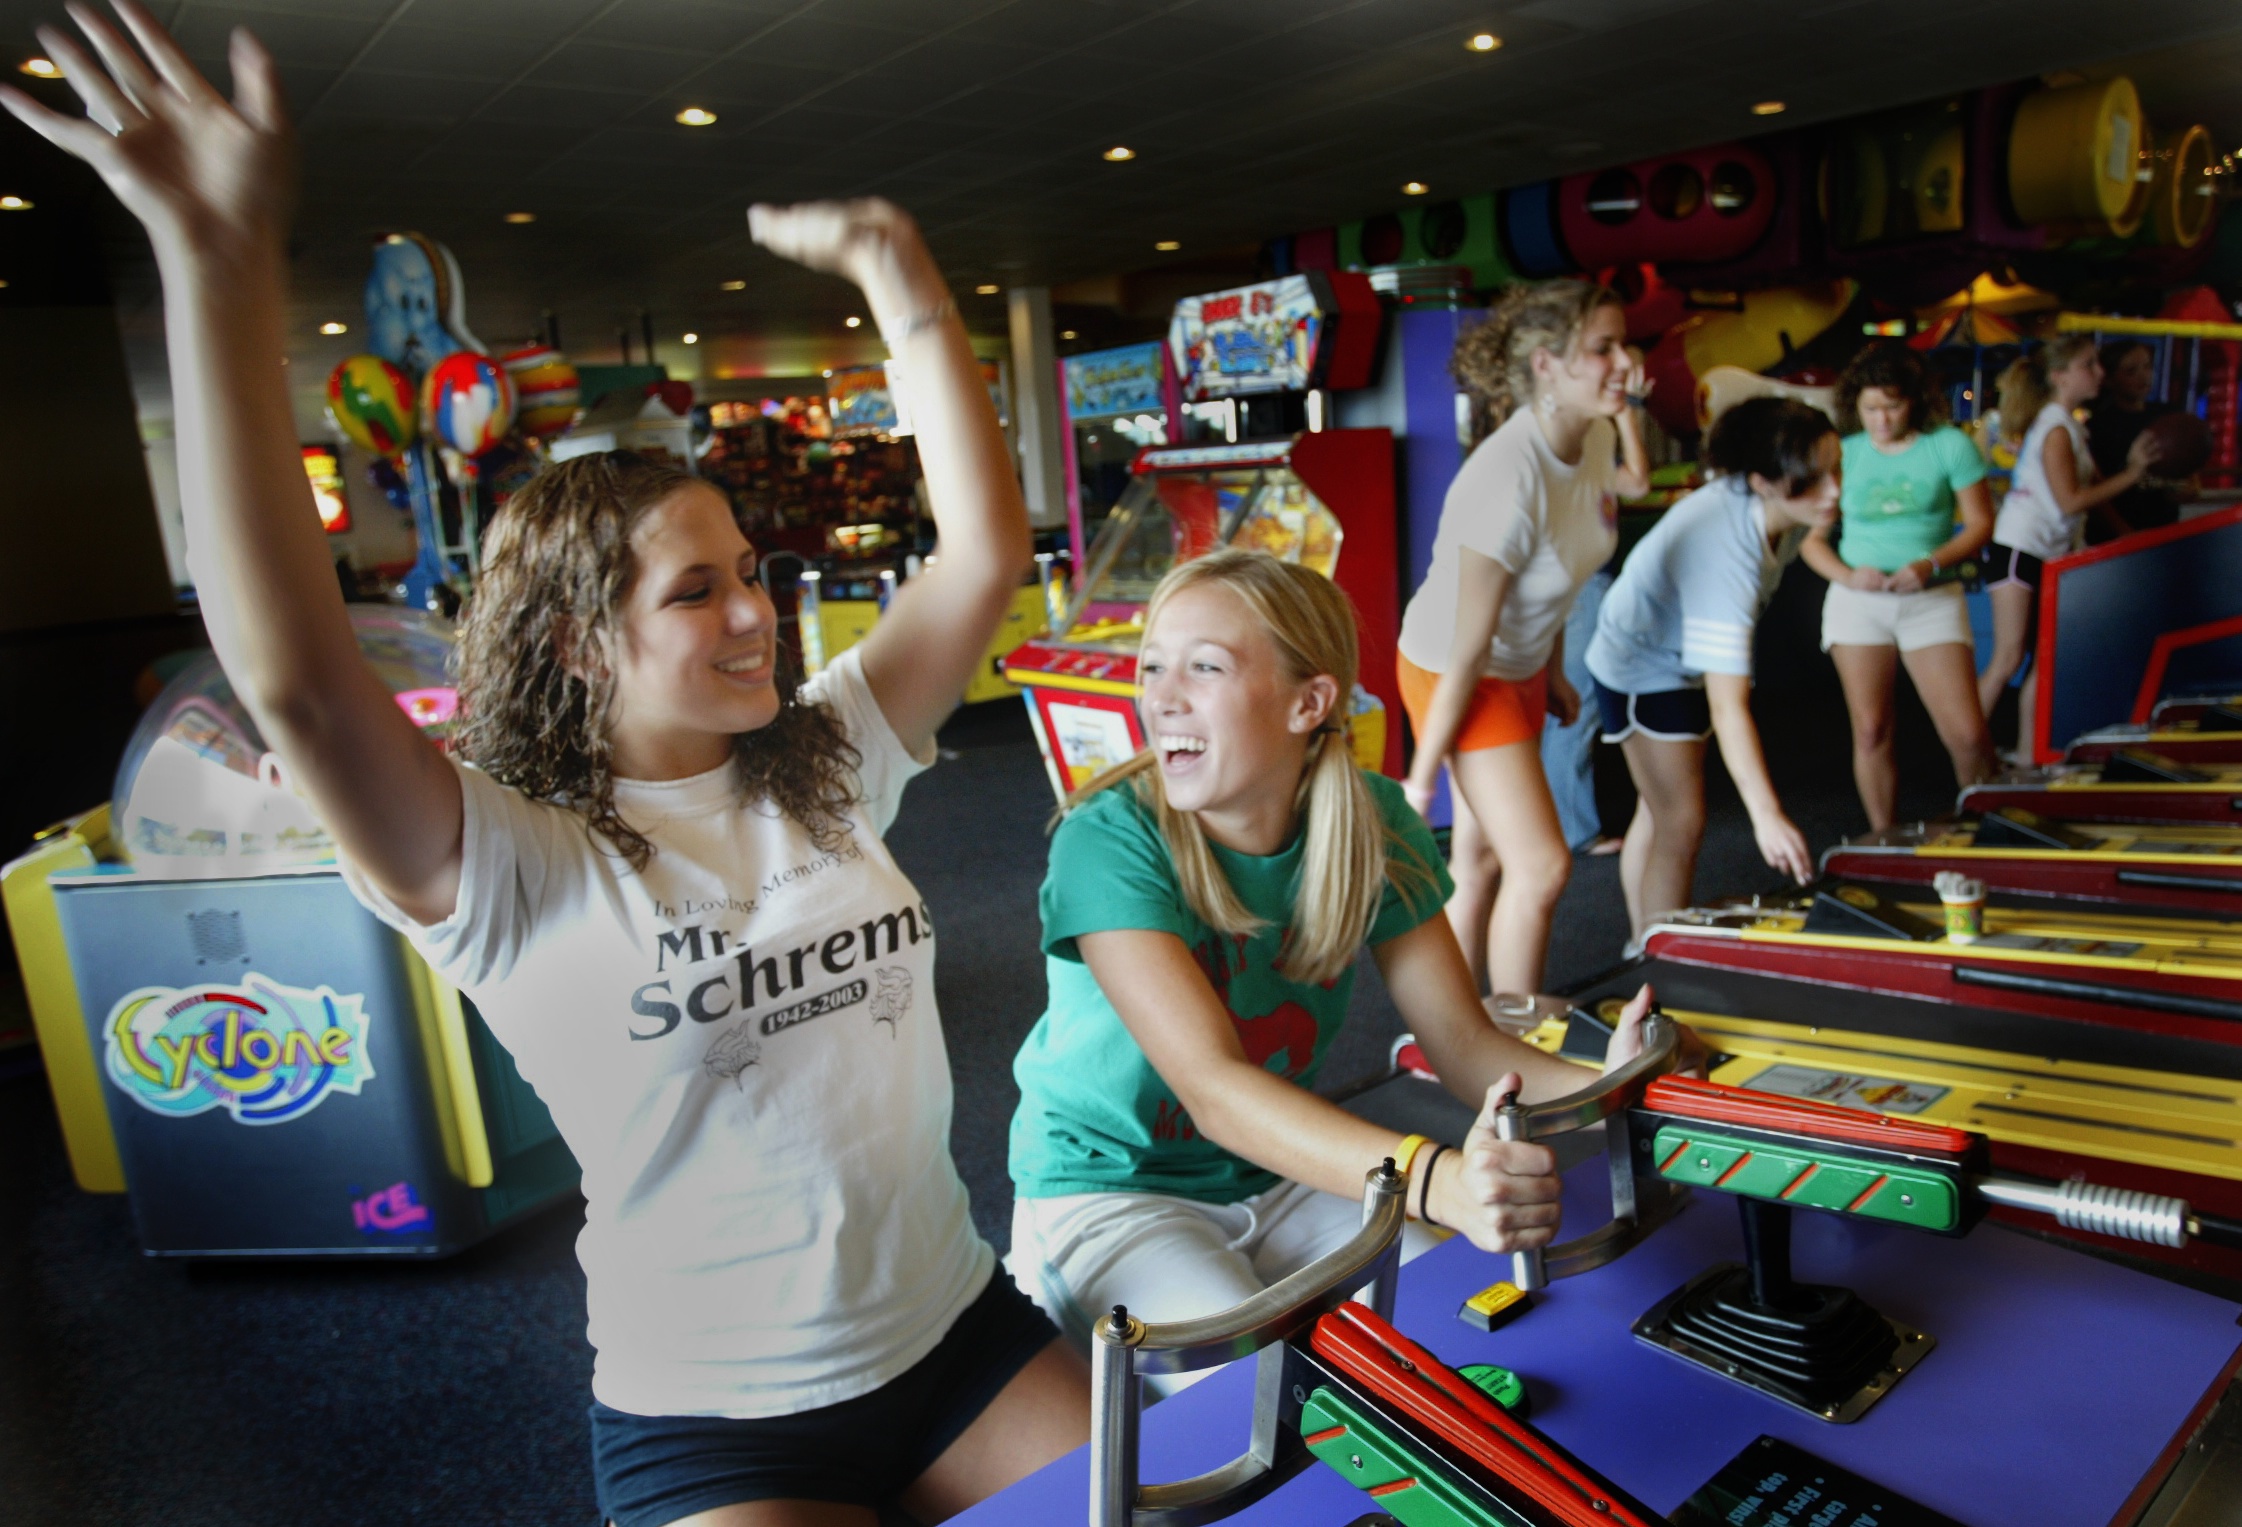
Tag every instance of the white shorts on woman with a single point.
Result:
(1171, 1258)
(1857, 618)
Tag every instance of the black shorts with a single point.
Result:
(1669, 715)
(650, 1470)
(2005, 564)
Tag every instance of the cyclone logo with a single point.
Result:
(264, 1052)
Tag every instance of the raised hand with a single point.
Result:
(199, 172)
(868, 240)
(1501, 1194)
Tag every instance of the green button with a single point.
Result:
(1500, 1385)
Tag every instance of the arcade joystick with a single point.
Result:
(1822, 1349)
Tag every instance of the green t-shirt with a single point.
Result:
(1094, 1116)
(1899, 508)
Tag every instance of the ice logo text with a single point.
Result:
(264, 1052)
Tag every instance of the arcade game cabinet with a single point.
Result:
(262, 1065)
(1320, 497)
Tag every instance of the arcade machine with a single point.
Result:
(231, 1039)
(2131, 785)
(1364, 1371)
(2213, 736)
(1320, 497)
(2105, 1043)
(2025, 858)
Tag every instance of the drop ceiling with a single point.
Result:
(989, 119)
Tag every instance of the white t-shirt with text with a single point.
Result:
(1550, 525)
(740, 1045)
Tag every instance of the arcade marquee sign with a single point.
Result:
(1316, 329)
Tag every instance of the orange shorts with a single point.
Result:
(1503, 711)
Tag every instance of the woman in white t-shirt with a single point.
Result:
(662, 877)
(1532, 514)
(2044, 515)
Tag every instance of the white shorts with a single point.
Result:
(1169, 1258)
(1854, 618)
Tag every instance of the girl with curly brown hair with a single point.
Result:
(661, 875)
(1893, 599)
(1532, 514)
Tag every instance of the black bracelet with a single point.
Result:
(1424, 1197)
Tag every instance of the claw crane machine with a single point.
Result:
(1254, 364)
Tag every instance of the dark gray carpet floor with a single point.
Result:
(137, 1393)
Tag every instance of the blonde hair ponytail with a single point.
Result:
(1495, 360)
(2026, 386)
(1344, 862)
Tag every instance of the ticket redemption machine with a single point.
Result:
(264, 1067)
(1323, 498)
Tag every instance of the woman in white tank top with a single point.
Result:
(2044, 515)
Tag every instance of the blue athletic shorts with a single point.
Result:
(651, 1470)
(1670, 715)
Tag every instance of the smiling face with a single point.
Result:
(1813, 506)
(1884, 414)
(1590, 377)
(698, 639)
(1230, 726)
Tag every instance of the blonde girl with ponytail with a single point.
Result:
(1528, 520)
(1204, 909)
(2044, 515)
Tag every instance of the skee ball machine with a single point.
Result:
(261, 1064)
(1323, 498)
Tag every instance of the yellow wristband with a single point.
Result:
(1410, 1145)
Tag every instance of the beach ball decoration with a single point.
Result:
(469, 402)
(547, 389)
(371, 401)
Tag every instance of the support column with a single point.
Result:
(1035, 406)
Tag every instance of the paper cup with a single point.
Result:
(1964, 900)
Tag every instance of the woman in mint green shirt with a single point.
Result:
(1892, 596)
(1202, 915)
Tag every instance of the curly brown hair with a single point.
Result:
(557, 566)
(1494, 360)
(1899, 371)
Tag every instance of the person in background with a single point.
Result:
(1532, 514)
(2120, 411)
(1893, 598)
(1568, 749)
(1672, 654)
(2049, 496)
(795, 1323)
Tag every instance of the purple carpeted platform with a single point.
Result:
(2057, 1382)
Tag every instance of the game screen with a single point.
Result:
(1171, 517)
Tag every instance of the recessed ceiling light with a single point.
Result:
(1483, 42)
(1068, 334)
(1167, 244)
(14, 204)
(40, 68)
(1767, 108)
(1117, 153)
(521, 217)
(854, 322)
(1415, 188)
(734, 286)
(692, 339)
(987, 289)
(694, 116)
(334, 328)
